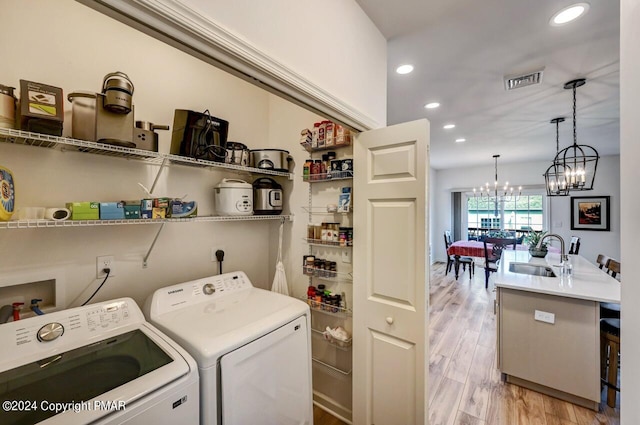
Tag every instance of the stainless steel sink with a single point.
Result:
(532, 269)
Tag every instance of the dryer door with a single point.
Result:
(268, 381)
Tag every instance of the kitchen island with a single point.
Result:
(549, 326)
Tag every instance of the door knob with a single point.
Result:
(390, 320)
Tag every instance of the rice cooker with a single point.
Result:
(267, 197)
(233, 197)
(271, 159)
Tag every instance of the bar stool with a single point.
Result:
(610, 357)
(611, 310)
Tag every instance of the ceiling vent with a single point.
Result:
(512, 82)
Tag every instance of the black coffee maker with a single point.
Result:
(199, 135)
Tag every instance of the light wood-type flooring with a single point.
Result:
(464, 384)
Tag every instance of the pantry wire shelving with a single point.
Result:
(325, 211)
(328, 177)
(327, 308)
(319, 242)
(338, 343)
(329, 275)
(20, 137)
(39, 224)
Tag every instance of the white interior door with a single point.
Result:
(390, 280)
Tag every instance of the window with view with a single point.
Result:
(525, 214)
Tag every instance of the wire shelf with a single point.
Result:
(20, 137)
(324, 211)
(338, 343)
(328, 177)
(307, 146)
(318, 242)
(328, 275)
(40, 224)
(327, 308)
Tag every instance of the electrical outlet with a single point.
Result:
(213, 252)
(105, 262)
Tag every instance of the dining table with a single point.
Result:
(476, 249)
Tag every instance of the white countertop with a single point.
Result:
(587, 281)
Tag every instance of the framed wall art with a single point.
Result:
(590, 213)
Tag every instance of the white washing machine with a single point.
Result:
(252, 346)
(99, 364)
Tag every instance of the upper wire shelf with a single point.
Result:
(20, 137)
(39, 224)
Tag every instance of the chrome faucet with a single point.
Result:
(563, 257)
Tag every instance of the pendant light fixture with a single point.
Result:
(580, 162)
(494, 196)
(555, 176)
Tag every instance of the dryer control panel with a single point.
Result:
(197, 291)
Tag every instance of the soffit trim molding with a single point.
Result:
(175, 23)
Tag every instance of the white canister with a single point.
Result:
(233, 197)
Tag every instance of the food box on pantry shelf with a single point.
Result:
(41, 108)
(159, 213)
(180, 209)
(111, 211)
(344, 202)
(131, 209)
(84, 210)
(161, 202)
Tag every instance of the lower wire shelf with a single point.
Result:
(335, 369)
(343, 345)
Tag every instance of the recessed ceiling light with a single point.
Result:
(569, 14)
(460, 140)
(449, 126)
(404, 69)
(432, 105)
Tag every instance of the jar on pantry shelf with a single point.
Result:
(324, 170)
(314, 135)
(342, 236)
(311, 293)
(309, 267)
(316, 169)
(335, 233)
(330, 134)
(306, 169)
(317, 232)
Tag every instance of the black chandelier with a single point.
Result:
(555, 177)
(580, 162)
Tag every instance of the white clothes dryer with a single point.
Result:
(252, 346)
(99, 364)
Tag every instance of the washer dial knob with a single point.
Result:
(50, 331)
(208, 288)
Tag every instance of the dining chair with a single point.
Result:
(613, 267)
(493, 254)
(461, 260)
(601, 261)
(574, 246)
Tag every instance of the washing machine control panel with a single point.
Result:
(58, 329)
(198, 291)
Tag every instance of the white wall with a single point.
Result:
(607, 183)
(343, 52)
(75, 55)
(630, 176)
